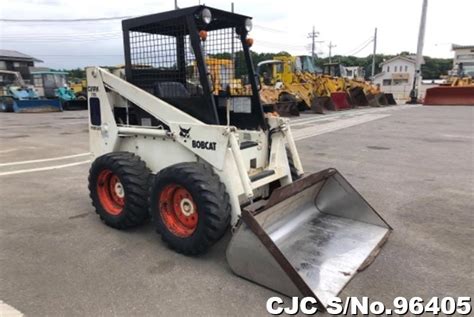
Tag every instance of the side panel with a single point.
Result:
(158, 153)
(207, 141)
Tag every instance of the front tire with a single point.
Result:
(190, 207)
(119, 186)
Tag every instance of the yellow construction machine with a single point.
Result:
(458, 90)
(294, 77)
(360, 92)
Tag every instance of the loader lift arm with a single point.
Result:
(197, 174)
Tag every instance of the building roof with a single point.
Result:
(457, 47)
(408, 58)
(17, 56)
(378, 75)
(44, 72)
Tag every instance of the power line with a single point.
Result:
(77, 55)
(64, 20)
(368, 43)
(360, 47)
(32, 36)
(268, 43)
(266, 28)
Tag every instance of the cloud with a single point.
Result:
(279, 25)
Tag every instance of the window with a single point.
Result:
(38, 80)
(388, 69)
(3, 65)
(387, 82)
(406, 68)
(400, 82)
(396, 68)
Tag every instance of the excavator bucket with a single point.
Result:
(286, 108)
(447, 95)
(340, 101)
(316, 106)
(390, 99)
(37, 105)
(325, 102)
(358, 97)
(309, 238)
(378, 100)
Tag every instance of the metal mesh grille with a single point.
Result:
(226, 62)
(163, 62)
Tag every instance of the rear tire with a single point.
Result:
(118, 186)
(189, 207)
(7, 104)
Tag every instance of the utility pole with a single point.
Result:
(373, 54)
(176, 4)
(330, 51)
(313, 35)
(414, 93)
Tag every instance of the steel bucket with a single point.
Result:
(309, 238)
(358, 97)
(446, 95)
(341, 101)
(390, 99)
(377, 100)
(37, 105)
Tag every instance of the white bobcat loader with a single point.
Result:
(201, 160)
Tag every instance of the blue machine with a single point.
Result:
(53, 85)
(15, 96)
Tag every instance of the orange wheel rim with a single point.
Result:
(111, 192)
(178, 210)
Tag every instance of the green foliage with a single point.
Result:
(432, 69)
(435, 67)
(79, 73)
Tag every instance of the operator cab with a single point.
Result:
(332, 69)
(198, 60)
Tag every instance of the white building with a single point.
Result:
(353, 72)
(463, 62)
(396, 76)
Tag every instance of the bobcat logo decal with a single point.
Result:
(184, 132)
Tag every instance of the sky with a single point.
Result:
(278, 26)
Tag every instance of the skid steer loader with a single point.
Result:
(198, 162)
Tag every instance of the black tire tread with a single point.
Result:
(214, 196)
(135, 177)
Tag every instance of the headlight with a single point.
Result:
(248, 25)
(206, 16)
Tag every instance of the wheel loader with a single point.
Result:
(353, 92)
(293, 77)
(16, 96)
(458, 90)
(200, 163)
